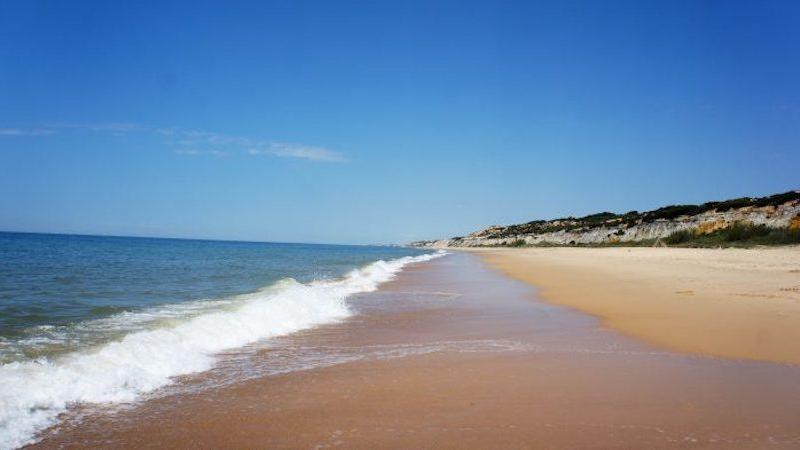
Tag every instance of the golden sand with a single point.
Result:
(738, 303)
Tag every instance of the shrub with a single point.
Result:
(672, 212)
(736, 235)
(679, 237)
(741, 232)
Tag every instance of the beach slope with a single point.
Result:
(738, 303)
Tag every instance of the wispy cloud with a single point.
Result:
(195, 152)
(299, 151)
(117, 127)
(199, 142)
(193, 142)
(25, 131)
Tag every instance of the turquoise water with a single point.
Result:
(94, 320)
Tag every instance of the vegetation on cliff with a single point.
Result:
(610, 220)
(737, 235)
(739, 222)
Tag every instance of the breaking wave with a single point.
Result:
(170, 341)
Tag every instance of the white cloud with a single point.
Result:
(25, 131)
(115, 127)
(305, 152)
(194, 142)
(195, 152)
(195, 139)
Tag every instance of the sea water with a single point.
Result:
(89, 319)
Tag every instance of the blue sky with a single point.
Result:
(377, 122)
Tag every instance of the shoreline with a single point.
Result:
(453, 354)
(733, 303)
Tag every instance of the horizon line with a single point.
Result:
(244, 241)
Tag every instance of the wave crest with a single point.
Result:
(33, 393)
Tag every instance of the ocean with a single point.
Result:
(95, 320)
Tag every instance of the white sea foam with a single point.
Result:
(33, 393)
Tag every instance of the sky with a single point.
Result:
(386, 122)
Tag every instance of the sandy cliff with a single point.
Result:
(776, 211)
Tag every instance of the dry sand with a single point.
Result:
(739, 303)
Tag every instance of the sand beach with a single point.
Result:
(455, 354)
(736, 303)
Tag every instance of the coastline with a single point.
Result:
(188, 304)
(453, 354)
(735, 303)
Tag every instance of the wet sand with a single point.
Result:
(738, 303)
(452, 354)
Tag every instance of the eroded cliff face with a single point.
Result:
(778, 211)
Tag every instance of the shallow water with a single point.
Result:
(95, 320)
